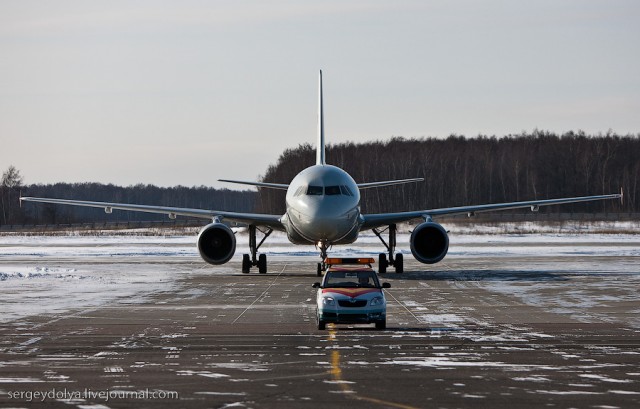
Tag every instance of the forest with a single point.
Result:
(465, 171)
(457, 171)
(179, 196)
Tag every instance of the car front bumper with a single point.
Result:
(351, 317)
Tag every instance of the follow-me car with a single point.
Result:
(351, 293)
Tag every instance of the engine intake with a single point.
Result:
(216, 243)
(429, 243)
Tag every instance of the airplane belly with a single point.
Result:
(350, 237)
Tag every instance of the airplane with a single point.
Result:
(323, 208)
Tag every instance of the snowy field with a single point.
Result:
(52, 274)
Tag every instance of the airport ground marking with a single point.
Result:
(261, 295)
(404, 306)
(345, 386)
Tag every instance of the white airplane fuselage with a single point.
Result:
(323, 207)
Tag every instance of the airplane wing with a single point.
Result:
(388, 183)
(375, 220)
(258, 184)
(270, 220)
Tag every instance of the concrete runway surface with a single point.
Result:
(525, 331)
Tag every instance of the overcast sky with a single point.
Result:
(186, 92)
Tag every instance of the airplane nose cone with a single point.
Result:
(319, 223)
(325, 228)
(323, 221)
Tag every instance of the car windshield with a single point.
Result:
(351, 279)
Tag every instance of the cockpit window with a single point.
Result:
(332, 190)
(314, 190)
(346, 191)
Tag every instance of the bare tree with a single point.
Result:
(10, 183)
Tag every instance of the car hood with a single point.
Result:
(351, 292)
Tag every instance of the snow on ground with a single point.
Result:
(460, 245)
(52, 274)
(564, 227)
(40, 287)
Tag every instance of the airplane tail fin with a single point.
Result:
(320, 159)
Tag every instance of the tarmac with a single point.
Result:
(526, 332)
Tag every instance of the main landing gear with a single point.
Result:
(398, 260)
(254, 260)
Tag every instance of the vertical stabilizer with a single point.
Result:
(320, 160)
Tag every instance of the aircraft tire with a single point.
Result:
(262, 263)
(246, 264)
(382, 263)
(399, 264)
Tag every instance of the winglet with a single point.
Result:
(320, 159)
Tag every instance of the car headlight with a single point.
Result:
(377, 301)
(328, 301)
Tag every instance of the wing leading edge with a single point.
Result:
(370, 185)
(375, 220)
(270, 220)
(280, 186)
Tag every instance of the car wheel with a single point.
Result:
(321, 325)
(381, 324)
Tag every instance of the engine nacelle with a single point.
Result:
(216, 243)
(429, 243)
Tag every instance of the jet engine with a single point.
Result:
(429, 243)
(216, 243)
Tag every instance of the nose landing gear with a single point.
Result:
(323, 246)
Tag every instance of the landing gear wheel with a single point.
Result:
(246, 264)
(319, 270)
(250, 260)
(382, 263)
(262, 264)
(399, 263)
(381, 324)
(387, 259)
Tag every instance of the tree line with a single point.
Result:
(457, 171)
(199, 197)
(465, 171)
